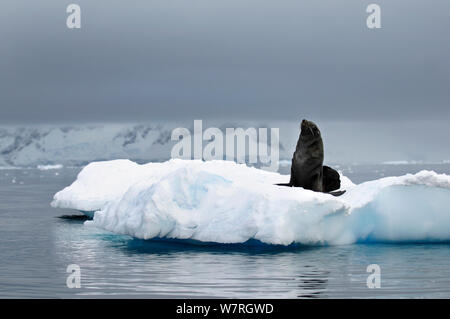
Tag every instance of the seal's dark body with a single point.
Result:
(307, 168)
(331, 180)
(307, 161)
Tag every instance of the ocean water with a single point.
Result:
(37, 243)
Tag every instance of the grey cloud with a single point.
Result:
(246, 59)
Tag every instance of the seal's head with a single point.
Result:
(309, 130)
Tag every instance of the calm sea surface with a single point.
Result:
(37, 245)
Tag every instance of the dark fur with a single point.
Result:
(331, 180)
(307, 168)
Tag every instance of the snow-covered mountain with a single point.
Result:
(80, 144)
(75, 145)
(344, 142)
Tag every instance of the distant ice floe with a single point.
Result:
(399, 162)
(225, 202)
(49, 167)
(405, 162)
(9, 168)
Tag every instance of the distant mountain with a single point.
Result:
(80, 144)
(75, 145)
(345, 142)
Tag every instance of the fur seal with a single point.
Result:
(331, 180)
(307, 168)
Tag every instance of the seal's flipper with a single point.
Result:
(284, 184)
(337, 193)
(331, 180)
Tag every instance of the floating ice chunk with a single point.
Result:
(224, 202)
(102, 182)
(191, 203)
(97, 184)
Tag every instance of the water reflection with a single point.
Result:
(118, 265)
(314, 282)
(113, 264)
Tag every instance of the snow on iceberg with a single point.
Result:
(225, 202)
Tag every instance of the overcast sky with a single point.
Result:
(250, 59)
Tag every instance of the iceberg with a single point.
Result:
(225, 202)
